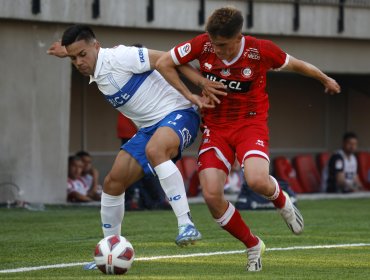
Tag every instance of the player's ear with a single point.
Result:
(97, 44)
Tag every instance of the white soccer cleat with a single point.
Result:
(90, 266)
(292, 216)
(188, 234)
(254, 256)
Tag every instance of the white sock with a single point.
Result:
(226, 217)
(112, 212)
(173, 186)
(276, 192)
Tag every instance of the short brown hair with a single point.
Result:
(225, 22)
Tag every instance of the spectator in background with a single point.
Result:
(341, 172)
(90, 175)
(77, 190)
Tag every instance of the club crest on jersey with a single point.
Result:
(184, 50)
(225, 72)
(247, 72)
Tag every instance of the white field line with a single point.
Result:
(62, 265)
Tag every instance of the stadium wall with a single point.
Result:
(34, 112)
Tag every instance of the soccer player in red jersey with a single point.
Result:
(237, 125)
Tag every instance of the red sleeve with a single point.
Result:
(273, 56)
(189, 50)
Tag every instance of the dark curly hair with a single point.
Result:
(225, 22)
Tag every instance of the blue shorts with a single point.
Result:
(184, 122)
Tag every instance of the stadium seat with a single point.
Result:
(307, 173)
(190, 165)
(180, 167)
(284, 171)
(187, 166)
(363, 159)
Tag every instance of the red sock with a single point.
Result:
(278, 198)
(232, 222)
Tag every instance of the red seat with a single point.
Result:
(322, 160)
(285, 171)
(363, 160)
(180, 166)
(307, 173)
(190, 165)
(187, 166)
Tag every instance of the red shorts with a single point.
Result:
(220, 146)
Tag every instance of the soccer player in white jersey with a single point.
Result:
(166, 120)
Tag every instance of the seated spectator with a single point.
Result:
(90, 176)
(77, 190)
(341, 172)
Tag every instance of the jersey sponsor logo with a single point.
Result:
(233, 86)
(247, 72)
(141, 55)
(207, 66)
(225, 72)
(253, 54)
(127, 91)
(184, 50)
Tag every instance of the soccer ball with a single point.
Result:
(114, 255)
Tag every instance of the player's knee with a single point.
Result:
(112, 185)
(258, 182)
(157, 153)
(211, 197)
(152, 152)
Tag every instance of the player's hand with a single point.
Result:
(57, 49)
(202, 101)
(211, 89)
(331, 86)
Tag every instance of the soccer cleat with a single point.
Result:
(292, 216)
(254, 256)
(90, 266)
(188, 234)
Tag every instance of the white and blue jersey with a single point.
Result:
(124, 76)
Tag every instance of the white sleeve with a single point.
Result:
(131, 59)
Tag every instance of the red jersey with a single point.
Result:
(245, 76)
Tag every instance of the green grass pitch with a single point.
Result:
(68, 235)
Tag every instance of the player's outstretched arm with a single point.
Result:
(57, 49)
(167, 68)
(307, 69)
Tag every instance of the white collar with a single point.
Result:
(228, 63)
(99, 63)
